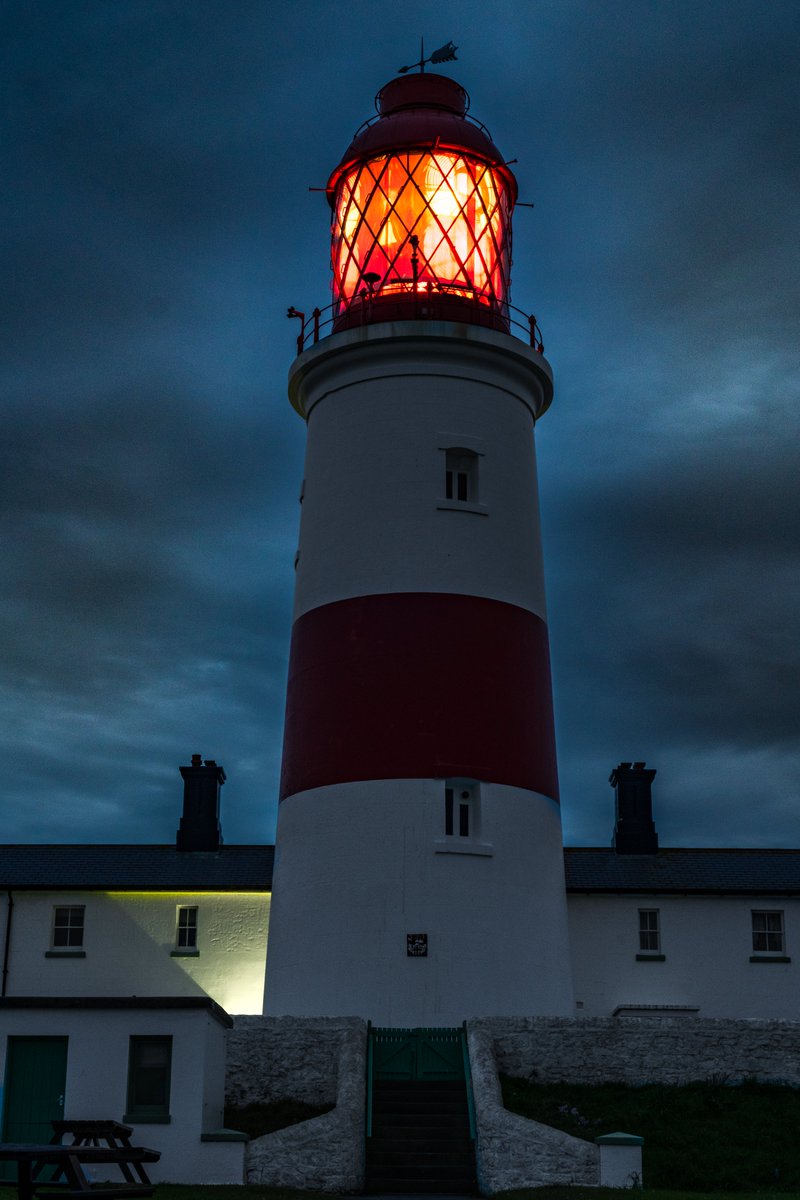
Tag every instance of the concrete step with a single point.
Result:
(439, 1157)
(402, 1179)
(381, 1144)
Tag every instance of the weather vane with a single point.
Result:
(445, 53)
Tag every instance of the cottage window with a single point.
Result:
(67, 927)
(149, 1070)
(649, 930)
(186, 937)
(768, 937)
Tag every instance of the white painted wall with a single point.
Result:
(707, 944)
(381, 411)
(361, 864)
(97, 1081)
(128, 939)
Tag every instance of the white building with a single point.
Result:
(155, 1064)
(189, 919)
(119, 963)
(712, 932)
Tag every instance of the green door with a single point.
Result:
(36, 1074)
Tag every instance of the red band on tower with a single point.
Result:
(418, 686)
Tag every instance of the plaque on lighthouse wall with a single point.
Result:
(417, 945)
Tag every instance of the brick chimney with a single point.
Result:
(634, 830)
(200, 828)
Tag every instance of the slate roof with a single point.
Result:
(147, 868)
(765, 872)
(249, 868)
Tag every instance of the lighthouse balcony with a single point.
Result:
(402, 300)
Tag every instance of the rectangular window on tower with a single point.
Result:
(460, 810)
(462, 819)
(460, 472)
(461, 475)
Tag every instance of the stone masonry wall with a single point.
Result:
(639, 1050)
(280, 1058)
(511, 1151)
(320, 1061)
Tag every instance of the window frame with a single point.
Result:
(69, 928)
(766, 933)
(148, 1114)
(189, 928)
(649, 932)
(461, 809)
(460, 458)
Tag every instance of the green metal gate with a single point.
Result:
(417, 1054)
(35, 1078)
(421, 1054)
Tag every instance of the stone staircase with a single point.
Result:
(420, 1138)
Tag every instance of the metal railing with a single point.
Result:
(427, 303)
(473, 1128)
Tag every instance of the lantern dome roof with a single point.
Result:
(421, 111)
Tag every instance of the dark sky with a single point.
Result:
(157, 222)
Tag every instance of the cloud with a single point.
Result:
(157, 223)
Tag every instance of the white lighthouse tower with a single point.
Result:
(419, 869)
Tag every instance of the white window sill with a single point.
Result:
(463, 846)
(463, 506)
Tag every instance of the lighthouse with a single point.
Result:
(419, 867)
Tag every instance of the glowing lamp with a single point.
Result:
(422, 205)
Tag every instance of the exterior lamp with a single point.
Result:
(422, 203)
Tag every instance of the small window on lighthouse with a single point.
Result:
(460, 810)
(461, 475)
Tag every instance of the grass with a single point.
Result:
(166, 1191)
(232, 1192)
(702, 1137)
(258, 1119)
(587, 1193)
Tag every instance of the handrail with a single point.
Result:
(370, 1036)
(468, 1082)
(362, 310)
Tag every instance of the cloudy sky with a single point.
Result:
(156, 224)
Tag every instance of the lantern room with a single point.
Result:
(422, 204)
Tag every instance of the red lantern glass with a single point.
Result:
(422, 228)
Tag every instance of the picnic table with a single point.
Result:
(93, 1142)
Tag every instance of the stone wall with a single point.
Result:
(320, 1061)
(280, 1058)
(511, 1151)
(639, 1050)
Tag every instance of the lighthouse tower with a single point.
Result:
(419, 868)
